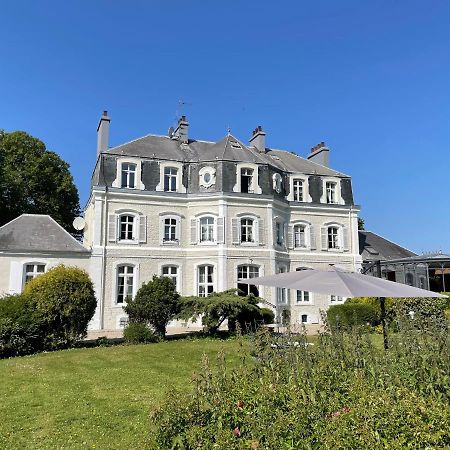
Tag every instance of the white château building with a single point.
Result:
(207, 214)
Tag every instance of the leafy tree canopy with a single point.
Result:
(361, 225)
(156, 303)
(34, 180)
(220, 306)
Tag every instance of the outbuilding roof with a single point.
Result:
(373, 247)
(37, 232)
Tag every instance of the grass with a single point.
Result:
(97, 397)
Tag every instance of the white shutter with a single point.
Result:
(112, 226)
(312, 237)
(142, 228)
(220, 230)
(194, 231)
(261, 232)
(290, 237)
(235, 231)
(324, 237)
(345, 237)
(15, 277)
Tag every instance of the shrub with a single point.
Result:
(350, 315)
(341, 393)
(22, 330)
(268, 316)
(138, 333)
(65, 301)
(155, 304)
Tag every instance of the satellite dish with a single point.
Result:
(79, 223)
(170, 132)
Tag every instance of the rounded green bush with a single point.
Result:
(138, 333)
(268, 316)
(64, 298)
(350, 315)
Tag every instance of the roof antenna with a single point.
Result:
(228, 130)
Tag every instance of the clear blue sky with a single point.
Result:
(369, 78)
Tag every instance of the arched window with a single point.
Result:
(127, 227)
(205, 280)
(409, 279)
(125, 283)
(304, 318)
(172, 272)
(244, 272)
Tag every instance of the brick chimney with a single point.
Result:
(103, 133)
(181, 131)
(320, 154)
(258, 139)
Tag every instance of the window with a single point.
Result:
(277, 182)
(123, 322)
(244, 273)
(172, 273)
(128, 179)
(303, 296)
(207, 176)
(330, 188)
(409, 279)
(126, 230)
(279, 233)
(300, 236)
(33, 270)
(205, 284)
(246, 180)
(333, 238)
(125, 282)
(336, 299)
(170, 230)
(298, 190)
(170, 179)
(207, 229)
(247, 230)
(281, 292)
(304, 318)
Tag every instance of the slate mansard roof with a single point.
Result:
(227, 149)
(37, 233)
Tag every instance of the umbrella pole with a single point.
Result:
(383, 321)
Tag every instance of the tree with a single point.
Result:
(360, 223)
(65, 301)
(156, 303)
(220, 306)
(34, 180)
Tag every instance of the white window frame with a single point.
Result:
(213, 284)
(337, 299)
(177, 219)
(117, 183)
(306, 234)
(338, 244)
(256, 189)
(310, 301)
(277, 182)
(304, 179)
(214, 229)
(34, 273)
(135, 228)
(179, 180)
(281, 292)
(253, 230)
(247, 277)
(125, 173)
(202, 173)
(177, 276)
(337, 182)
(116, 281)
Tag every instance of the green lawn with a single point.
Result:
(96, 397)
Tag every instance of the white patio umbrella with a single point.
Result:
(335, 281)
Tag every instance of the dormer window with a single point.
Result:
(330, 188)
(247, 180)
(170, 179)
(277, 182)
(128, 176)
(297, 186)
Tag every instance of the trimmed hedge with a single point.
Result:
(138, 333)
(350, 315)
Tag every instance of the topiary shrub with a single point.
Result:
(349, 315)
(138, 333)
(156, 304)
(64, 299)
